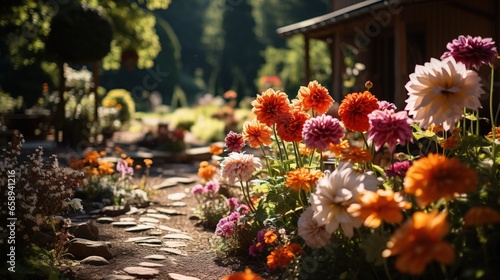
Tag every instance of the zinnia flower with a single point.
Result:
(322, 130)
(481, 215)
(354, 110)
(256, 133)
(335, 192)
(215, 149)
(148, 162)
(206, 171)
(302, 178)
(375, 207)
(234, 142)
(439, 91)
(316, 97)
(337, 149)
(289, 126)
(239, 166)
(270, 237)
(314, 235)
(388, 126)
(246, 275)
(356, 155)
(282, 256)
(269, 106)
(437, 176)
(471, 51)
(420, 241)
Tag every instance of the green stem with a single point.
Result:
(278, 144)
(267, 159)
(298, 159)
(493, 130)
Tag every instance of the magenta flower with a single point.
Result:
(243, 209)
(398, 168)
(211, 187)
(322, 130)
(227, 225)
(471, 51)
(232, 203)
(389, 127)
(384, 105)
(124, 169)
(234, 142)
(197, 189)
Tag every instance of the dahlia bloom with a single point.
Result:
(335, 192)
(398, 168)
(232, 203)
(384, 105)
(206, 171)
(481, 215)
(439, 91)
(388, 126)
(436, 176)
(239, 167)
(471, 51)
(302, 178)
(269, 106)
(354, 110)
(289, 126)
(420, 241)
(211, 187)
(256, 133)
(355, 154)
(322, 130)
(234, 142)
(316, 97)
(314, 235)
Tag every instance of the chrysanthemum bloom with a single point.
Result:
(335, 192)
(269, 106)
(239, 167)
(304, 150)
(481, 215)
(320, 131)
(356, 155)
(282, 256)
(471, 51)
(234, 142)
(92, 157)
(420, 241)
(246, 275)
(215, 149)
(206, 171)
(437, 176)
(314, 235)
(148, 162)
(302, 178)
(375, 207)
(270, 237)
(337, 149)
(388, 126)
(384, 105)
(256, 133)
(398, 168)
(289, 126)
(354, 110)
(497, 133)
(316, 97)
(439, 91)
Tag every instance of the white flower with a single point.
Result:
(314, 235)
(335, 192)
(75, 203)
(439, 91)
(239, 167)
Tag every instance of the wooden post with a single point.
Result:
(307, 60)
(400, 62)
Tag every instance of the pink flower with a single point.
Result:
(389, 127)
(243, 209)
(239, 166)
(234, 142)
(314, 235)
(384, 105)
(322, 130)
(211, 187)
(232, 203)
(124, 169)
(197, 189)
(227, 225)
(398, 168)
(471, 51)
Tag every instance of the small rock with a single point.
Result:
(134, 210)
(182, 180)
(176, 196)
(118, 277)
(158, 216)
(81, 248)
(176, 276)
(105, 220)
(150, 264)
(139, 238)
(174, 244)
(142, 272)
(127, 219)
(165, 184)
(113, 211)
(150, 241)
(167, 228)
(155, 257)
(168, 211)
(149, 220)
(177, 236)
(140, 228)
(95, 260)
(148, 245)
(155, 233)
(173, 251)
(179, 204)
(124, 224)
(85, 230)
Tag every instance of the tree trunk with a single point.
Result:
(95, 77)
(60, 112)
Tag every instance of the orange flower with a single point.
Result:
(354, 110)
(92, 158)
(76, 164)
(129, 161)
(337, 149)
(270, 106)
(247, 275)
(215, 149)
(270, 237)
(435, 128)
(375, 207)
(106, 168)
(206, 171)
(91, 171)
(497, 133)
(289, 126)
(304, 150)
(123, 155)
(437, 176)
(102, 153)
(481, 215)
(356, 155)
(256, 133)
(282, 256)
(230, 94)
(420, 241)
(302, 178)
(452, 141)
(316, 97)
(138, 166)
(148, 162)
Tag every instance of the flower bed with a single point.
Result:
(411, 194)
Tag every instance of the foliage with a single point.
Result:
(122, 100)
(8, 103)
